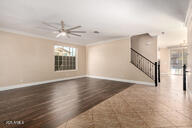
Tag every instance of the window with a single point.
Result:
(178, 58)
(65, 58)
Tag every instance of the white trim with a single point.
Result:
(69, 78)
(107, 41)
(122, 80)
(76, 59)
(38, 83)
(188, 17)
(72, 70)
(36, 36)
(116, 39)
(54, 39)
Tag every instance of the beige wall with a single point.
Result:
(164, 60)
(145, 45)
(112, 59)
(26, 59)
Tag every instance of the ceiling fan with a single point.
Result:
(63, 31)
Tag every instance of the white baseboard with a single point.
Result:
(38, 83)
(123, 80)
(69, 78)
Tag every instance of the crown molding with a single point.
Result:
(188, 19)
(53, 39)
(36, 36)
(107, 41)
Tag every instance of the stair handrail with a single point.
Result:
(153, 73)
(143, 56)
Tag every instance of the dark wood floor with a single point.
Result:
(50, 105)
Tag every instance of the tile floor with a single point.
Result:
(141, 106)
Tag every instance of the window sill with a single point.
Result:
(67, 70)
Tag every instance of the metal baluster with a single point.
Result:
(150, 70)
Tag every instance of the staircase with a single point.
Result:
(146, 66)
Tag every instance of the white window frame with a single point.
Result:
(76, 59)
(178, 48)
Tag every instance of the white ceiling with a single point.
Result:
(112, 18)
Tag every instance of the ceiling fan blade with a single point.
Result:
(73, 28)
(50, 25)
(47, 28)
(77, 31)
(74, 34)
(58, 35)
(56, 32)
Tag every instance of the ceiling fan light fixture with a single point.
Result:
(63, 33)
